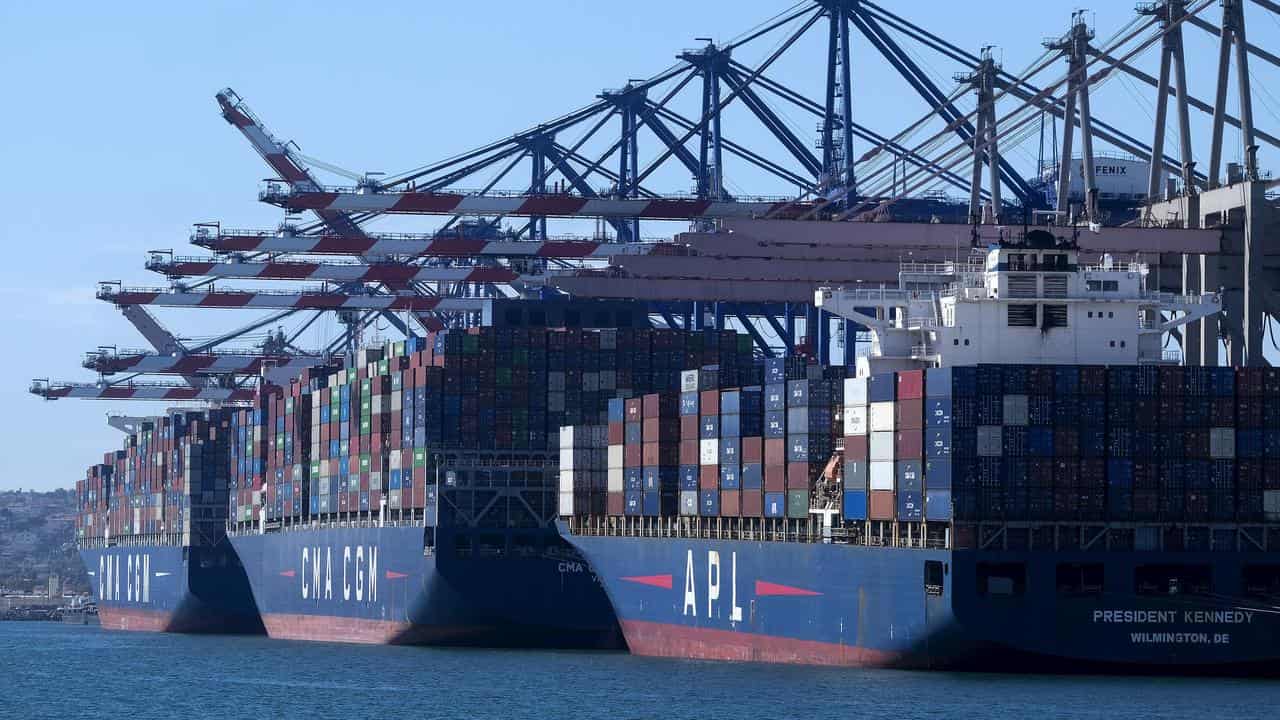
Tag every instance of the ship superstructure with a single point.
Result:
(1032, 301)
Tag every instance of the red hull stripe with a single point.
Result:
(114, 618)
(766, 589)
(661, 581)
(330, 628)
(678, 641)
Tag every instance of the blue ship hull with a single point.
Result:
(163, 588)
(391, 586)
(831, 604)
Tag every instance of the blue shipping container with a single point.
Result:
(855, 505)
(937, 505)
(775, 504)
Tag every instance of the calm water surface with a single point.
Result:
(58, 671)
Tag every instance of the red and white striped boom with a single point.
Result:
(269, 299)
(139, 391)
(413, 245)
(298, 198)
(392, 273)
(241, 362)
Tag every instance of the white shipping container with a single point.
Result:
(616, 457)
(397, 458)
(855, 391)
(397, 400)
(1222, 443)
(709, 451)
(616, 481)
(688, 503)
(881, 417)
(855, 420)
(689, 381)
(566, 481)
(568, 436)
(882, 446)
(990, 441)
(566, 504)
(881, 475)
(1015, 410)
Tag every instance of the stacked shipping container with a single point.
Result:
(990, 443)
(168, 484)
(361, 439)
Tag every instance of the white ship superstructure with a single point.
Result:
(1030, 302)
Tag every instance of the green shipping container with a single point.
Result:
(798, 504)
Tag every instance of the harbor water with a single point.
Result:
(51, 670)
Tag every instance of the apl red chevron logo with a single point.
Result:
(659, 581)
(768, 589)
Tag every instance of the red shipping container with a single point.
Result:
(908, 445)
(632, 456)
(615, 503)
(730, 503)
(633, 408)
(650, 454)
(419, 494)
(798, 475)
(775, 452)
(650, 429)
(688, 452)
(709, 477)
(709, 402)
(775, 478)
(882, 505)
(911, 385)
(617, 433)
(856, 447)
(650, 405)
(909, 414)
(752, 503)
(752, 450)
(688, 427)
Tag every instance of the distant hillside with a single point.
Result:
(37, 538)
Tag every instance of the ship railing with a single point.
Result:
(1124, 267)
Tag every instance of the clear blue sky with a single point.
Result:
(112, 144)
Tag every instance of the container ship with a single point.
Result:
(151, 530)
(410, 496)
(1017, 477)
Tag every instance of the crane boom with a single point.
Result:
(413, 245)
(241, 362)
(389, 273)
(278, 156)
(297, 198)
(299, 300)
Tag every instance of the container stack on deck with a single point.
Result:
(168, 485)
(989, 444)
(716, 449)
(363, 440)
